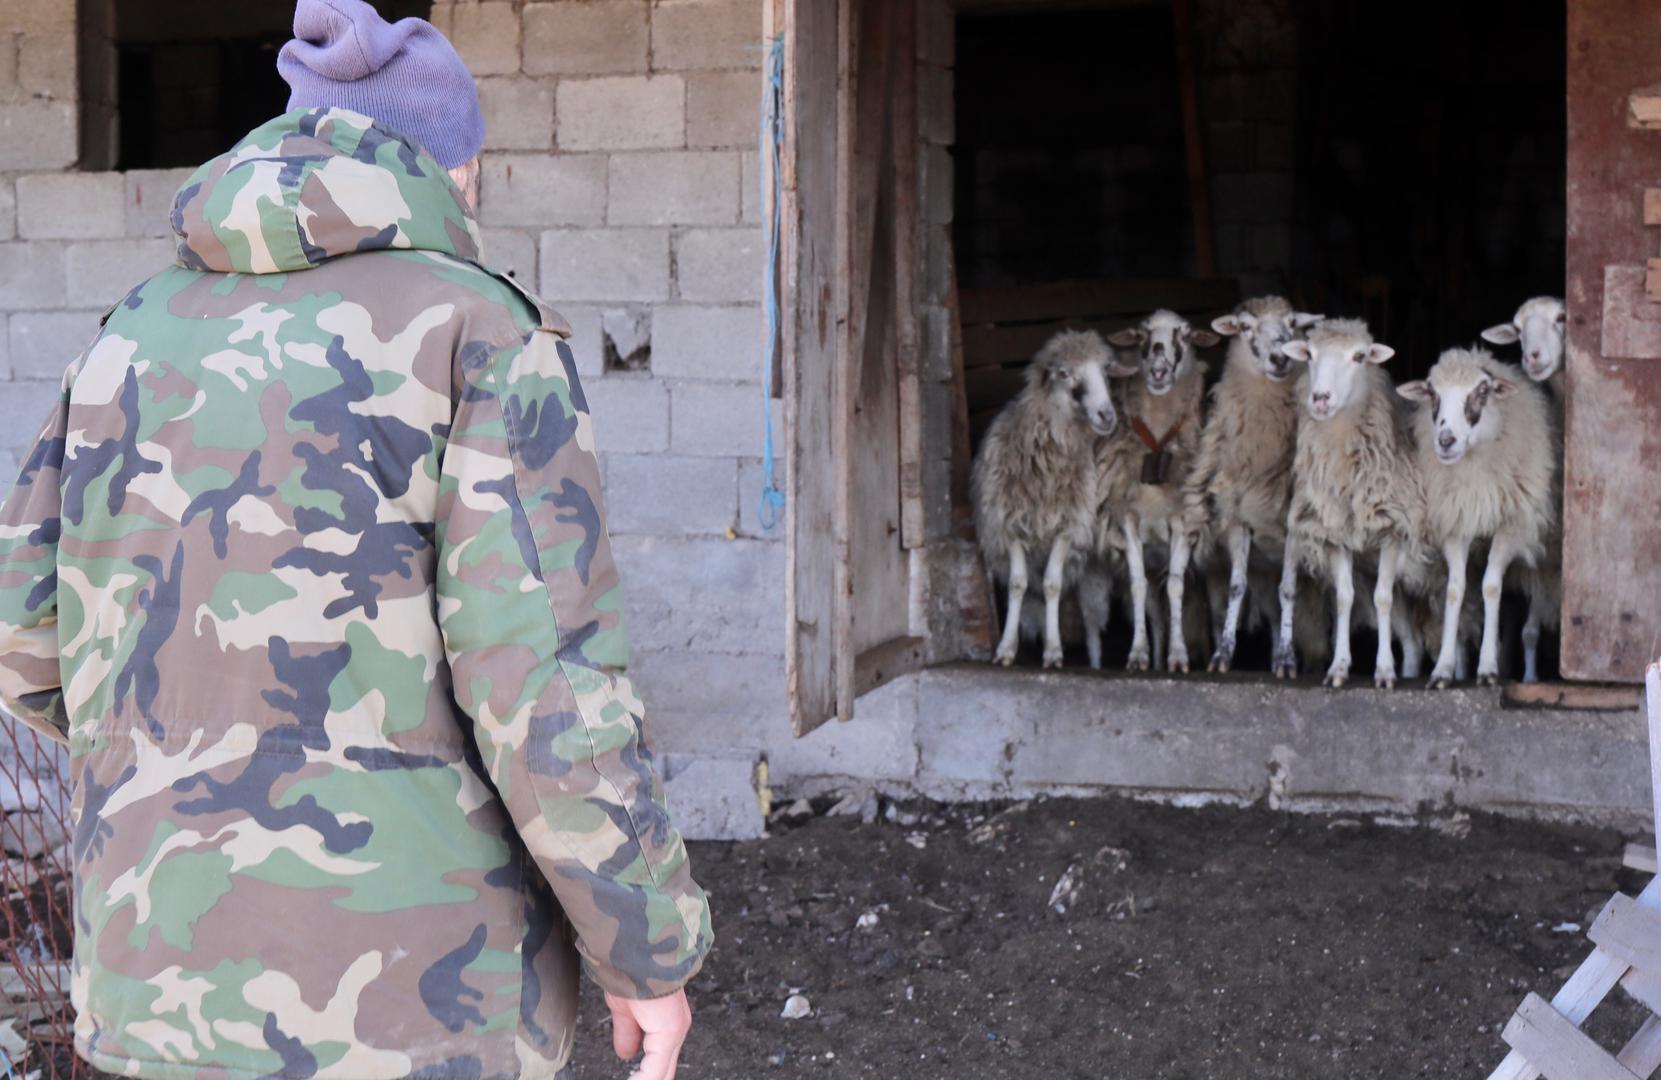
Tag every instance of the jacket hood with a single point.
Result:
(314, 184)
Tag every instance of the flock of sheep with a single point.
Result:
(1305, 472)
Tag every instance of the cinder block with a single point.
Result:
(939, 193)
(938, 117)
(42, 343)
(71, 206)
(937, 33)
(879, 743)
(723, 108)
(666, 495)
(697, 699)
(103, 271)
(24, 407)
(9, 90)
(714, 798)
(46, 65)
(586, 337)
(487, 36)
(621, 113)
(717, 419)
(720, 264)
(631, 413)
(750, 481)
(718, 343)
(37, 16)
(8, 208)
(706, 34)
(750, 189)
(519, 113)
(579, 37)
(149, 200)
(543, 189)
(32, 276)
(512, 251)
(681, 188)
(606, 264)
(707, 593)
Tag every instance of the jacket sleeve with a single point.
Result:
(530, 609)
(31, 686)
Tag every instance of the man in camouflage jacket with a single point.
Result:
(309, 568)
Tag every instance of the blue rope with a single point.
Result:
(772, 192)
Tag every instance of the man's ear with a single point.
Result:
(1203, 339)
(1128, 338)
(1229, 325)
(1296, 350)
(1417, 390)
(1378, 353)
(1503, 334)
(1302, 320)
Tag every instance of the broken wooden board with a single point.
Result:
(1644, 109)
(1558, 695)
(1652, 206)
(1640, 856)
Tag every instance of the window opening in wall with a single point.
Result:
(171, 83)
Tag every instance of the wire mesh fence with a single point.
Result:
(36, 1023)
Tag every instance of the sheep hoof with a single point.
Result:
(1177, 665)
(1440, 679)
(1384, 681)
(1052, 658)
(1487, 678)
(1137, 661)
(1335, 679)
(1219, 663)
(1006, 659)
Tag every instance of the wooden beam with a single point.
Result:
(1556, 1047)
(1558, 695)
(1652, 206)
(1644, 109)
(1193, 133)
(1632, 933)
(1652, 281)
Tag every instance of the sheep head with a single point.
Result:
(1539, 324)
(1072, 370)
(1266, 324)
(1335, 351)
(1166, 343)
(1458, 390)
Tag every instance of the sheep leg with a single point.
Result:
(1531, 641)
(1412, 650)
(1384, 603)
(1341, 565)
(1456, 552)
(1095, 597)
(1054, 577)
(1500, 553)
(1017, 594)
(1138, 659)
(1239, 549)
(1286, 657)
(1181, 545)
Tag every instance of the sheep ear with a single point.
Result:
(1229, 325)
(1129, 337)
(1501, 387)
(1118, 370)
(1418, 390)
(1378, 354)
(1503, 334)
(1296, 350)
(1303, 320)
(1203, 339)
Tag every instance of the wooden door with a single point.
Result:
(850, 380)
(1612, 456)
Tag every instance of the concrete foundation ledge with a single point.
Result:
(986, 732)
(715, 798)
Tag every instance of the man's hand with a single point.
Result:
(658, 1026)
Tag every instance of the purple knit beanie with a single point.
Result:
(404, 74)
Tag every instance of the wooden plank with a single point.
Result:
(1097, 298)
(990, 345)
(1652, 281)
(1559, 1049)
(1644, 109)
(962, 456)
(1652, 206)
(1193, 137)
(1642, 1053)
(1611, 473)
(1629, 932)
(1585, 989)
(908, 241)
(1631, 320)
(1641, 857)
(889, 661)
(1560, 695)
(811, 85)
(1644, 988)
(1652, 691)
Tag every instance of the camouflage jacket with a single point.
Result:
(309, 566)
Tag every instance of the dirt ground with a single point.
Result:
(1212, 942)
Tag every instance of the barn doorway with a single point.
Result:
(1401, 162)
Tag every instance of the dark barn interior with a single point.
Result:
(1400, 162)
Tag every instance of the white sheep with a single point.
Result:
(1035, 477)
(1539, 325)
(1241, 481)
(1163, 412)
(1356, 491)
(1485, 453)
